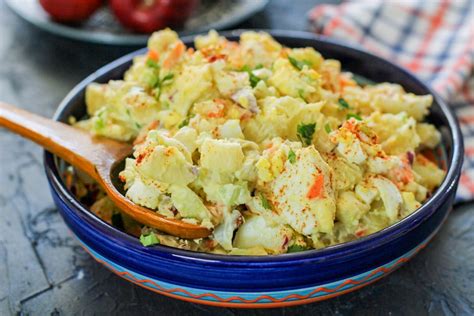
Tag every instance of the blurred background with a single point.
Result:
(42, 268)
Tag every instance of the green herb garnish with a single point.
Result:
(185, 122)
(350, 115)
(152, 64)
(252, 78)
(155, 81)
(301, 94)
(158, 83)
(292, 156)
(305, 133)
(343, 103)
(296, 248)
(167, 77)
(149, 240)
(99, 122)
(327, 128)
(265, 202)
(299, 64)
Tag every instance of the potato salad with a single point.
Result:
(274, 149)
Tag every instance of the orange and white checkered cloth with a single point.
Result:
(433, 39)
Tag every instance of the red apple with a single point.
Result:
(146, 16)
(70, 10)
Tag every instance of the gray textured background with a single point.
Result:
(44, 271)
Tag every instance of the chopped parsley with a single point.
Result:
(299, 64)
(167, 77)
(301, 94)
(99, 122)
(185, 122)
(350, 115)
(296, 248)
(158, 83)
(292, 156)
(265, 202)
(305, 133)
(149, 240)
(327, 128)
(152, 64)
(343, 103)
(155, 81)
(254, 80)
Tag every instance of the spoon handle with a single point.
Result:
(96, 157)
(74, 145)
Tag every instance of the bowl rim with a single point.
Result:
(335, 251)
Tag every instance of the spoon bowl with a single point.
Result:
(96, 156)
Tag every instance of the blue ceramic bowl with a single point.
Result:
(270, 281)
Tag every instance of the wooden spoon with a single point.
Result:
(96, 156)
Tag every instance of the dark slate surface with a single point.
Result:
(44, 271)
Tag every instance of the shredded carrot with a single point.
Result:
(215, 57)
(231, 45)
(218, 113)
(122, 178)
(217, 110)
(352, 127)
(402, 175)
(284, 53)
(190, 51)
(153, 55)
(405, 175)
(344, 81)
(174, 55)
(207, 51)
(269, 145)
(220, 101)
(69, 180)
(317, 188)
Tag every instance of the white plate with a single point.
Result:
(102, 27)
